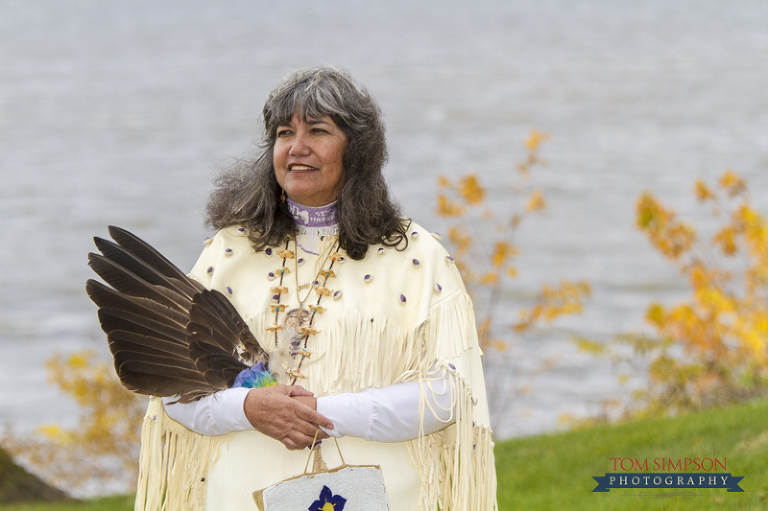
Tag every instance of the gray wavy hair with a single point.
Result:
(248, 193)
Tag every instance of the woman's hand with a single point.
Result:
(286, 413)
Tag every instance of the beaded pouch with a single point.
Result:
(344, 488)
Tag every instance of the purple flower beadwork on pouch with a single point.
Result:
(328, 501)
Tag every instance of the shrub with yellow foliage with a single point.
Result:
(102, 451)
(711, 348)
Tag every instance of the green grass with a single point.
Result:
(554, 472)
(115, 503)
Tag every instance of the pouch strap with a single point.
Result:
(319, 465)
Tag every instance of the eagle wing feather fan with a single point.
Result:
(168, 335)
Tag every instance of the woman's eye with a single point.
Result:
(283, 132)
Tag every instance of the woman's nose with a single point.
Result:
(299, 147)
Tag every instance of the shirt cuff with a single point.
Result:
(351, 414)
(216, 414)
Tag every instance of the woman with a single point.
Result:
(370, 329)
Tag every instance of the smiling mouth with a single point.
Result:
(296, 166)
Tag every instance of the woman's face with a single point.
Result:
(308, 158)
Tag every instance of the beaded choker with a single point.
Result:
(306, 216)
(312, 224)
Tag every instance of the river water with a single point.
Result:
(117, 112)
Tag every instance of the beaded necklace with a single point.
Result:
(303, 318)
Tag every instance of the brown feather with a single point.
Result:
(145, 377)
(163, 338)
(131, 284)
(213, 315)
(106, 297)
(170, 279)
(217, 366)
(146, 253)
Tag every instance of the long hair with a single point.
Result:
(248, 193)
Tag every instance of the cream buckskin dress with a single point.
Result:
(394, 316)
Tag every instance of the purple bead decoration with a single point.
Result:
(368, 278)
(336, 295)
(268, 251)
(380, 251)
(438, 287)
(228, 252)
(229, 291)
(402, 299)
(416, 262)
(210, 270)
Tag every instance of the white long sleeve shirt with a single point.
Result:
(389, 414)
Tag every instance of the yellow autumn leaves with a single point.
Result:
(485, 256)
(103, 447)
(453, 198)
(712, 347)
(666, 233)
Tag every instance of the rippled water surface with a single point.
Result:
(120, 112)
